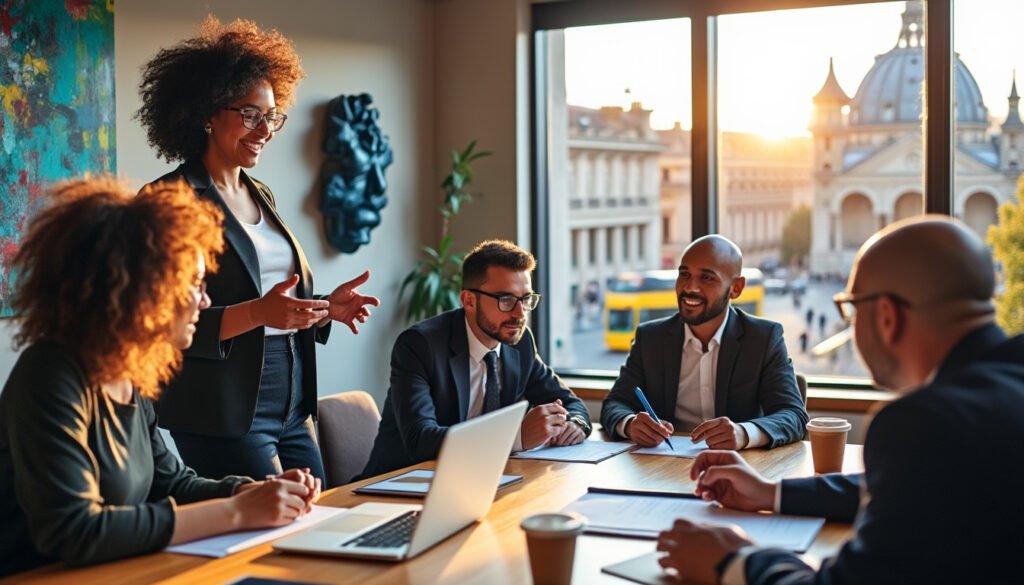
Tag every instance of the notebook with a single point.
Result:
(469, 467)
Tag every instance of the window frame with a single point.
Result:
(938, 127)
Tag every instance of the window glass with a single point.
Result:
(989, 155)
(819, 120)
(618, 199)
(819, 146)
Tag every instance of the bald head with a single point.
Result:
(936, 263)
(720, 251)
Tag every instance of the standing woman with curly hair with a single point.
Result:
(244, 399)
(109, 289)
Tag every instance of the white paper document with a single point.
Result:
(415, 483)
(647, 515)
(226, 544)
(681, 447)
(585, 452)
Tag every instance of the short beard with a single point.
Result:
(494, 330)
(710, 311)
(884, 368)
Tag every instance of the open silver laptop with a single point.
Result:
(469, 467)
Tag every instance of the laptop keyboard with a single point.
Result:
(392, 534)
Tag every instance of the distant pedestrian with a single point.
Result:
(810, 316)
(821, 324)
(803, 342)
(796, 298)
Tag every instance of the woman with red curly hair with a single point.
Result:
(244, 399)
(110, 286)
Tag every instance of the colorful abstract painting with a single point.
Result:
(56, 108)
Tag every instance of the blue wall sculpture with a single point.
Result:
(353, 180)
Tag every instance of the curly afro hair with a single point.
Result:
(104, 273)
(187, 84)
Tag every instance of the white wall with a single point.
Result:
(383, 47)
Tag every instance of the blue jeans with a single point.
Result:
(281, 437)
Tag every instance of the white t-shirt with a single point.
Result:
(276, 258)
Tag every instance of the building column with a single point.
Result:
(633, 233)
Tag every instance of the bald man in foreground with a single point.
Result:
(940, 500)
(711, 370)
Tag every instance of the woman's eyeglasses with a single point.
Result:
(253, 117)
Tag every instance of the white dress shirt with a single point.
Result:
(695, 397)
(478, 379)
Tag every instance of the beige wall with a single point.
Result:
(482, 69)
(383, 47)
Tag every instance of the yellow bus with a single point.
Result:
(636, 297)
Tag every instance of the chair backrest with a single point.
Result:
(347, 425)
(801, 384)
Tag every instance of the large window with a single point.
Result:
(618, 190)
(819, 145)
(796, 133)
(989, 154)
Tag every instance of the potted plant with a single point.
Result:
(437, 279)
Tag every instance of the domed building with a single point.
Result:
(868, 151)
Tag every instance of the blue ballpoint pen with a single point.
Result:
(650, 411)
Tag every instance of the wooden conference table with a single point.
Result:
(489, 553)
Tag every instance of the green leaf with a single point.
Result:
(458, 179)
(430, 252)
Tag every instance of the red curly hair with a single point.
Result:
(106, 274)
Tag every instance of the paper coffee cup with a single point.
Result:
(551, 541)
(828, 442)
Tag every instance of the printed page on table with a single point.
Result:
(586, 452)
(683, 447)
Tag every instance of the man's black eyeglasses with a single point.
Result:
(507, 302)
(253, 117)
(846, 303)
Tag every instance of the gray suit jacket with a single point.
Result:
(755, 380)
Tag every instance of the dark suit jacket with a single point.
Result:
(941, 493)
(430, 389)
(754, 381)
(215, 392)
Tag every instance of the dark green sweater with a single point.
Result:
(84, 479)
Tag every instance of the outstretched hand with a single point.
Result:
(348, 306)
(280, 310)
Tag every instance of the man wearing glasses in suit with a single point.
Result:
(920, 302)
(470, 361)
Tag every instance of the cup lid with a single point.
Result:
(829, 424)
(553, 524)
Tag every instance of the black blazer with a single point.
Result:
(754, 380)
(940, 497)
(215, 392)
(430, 389)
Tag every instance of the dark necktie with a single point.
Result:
(492, 391)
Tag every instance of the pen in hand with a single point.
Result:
(650, 411)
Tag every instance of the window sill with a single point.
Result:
(824, 394)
